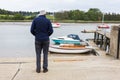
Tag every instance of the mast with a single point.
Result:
(103, 18)
(53, 16)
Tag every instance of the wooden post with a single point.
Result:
(94, 36)
(106, 43)
(97, 39)
(101, 42)
(118, 45)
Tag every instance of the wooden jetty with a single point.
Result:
(100, 38)
(103, 39)
(89, 31)
(109, 42)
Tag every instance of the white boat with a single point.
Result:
(69, 44)
(58, 49)
(56, 25)
(69, 39)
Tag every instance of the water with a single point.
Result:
(17, 41)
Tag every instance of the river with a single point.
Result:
(17, 41)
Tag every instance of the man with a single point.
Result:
(41, 28)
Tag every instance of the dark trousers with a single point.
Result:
(39, 47)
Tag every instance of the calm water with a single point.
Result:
(17, 41)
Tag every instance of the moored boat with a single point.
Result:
(105, 26)
(69, 39)
(69, 44)
(56, 25)
(68, 49)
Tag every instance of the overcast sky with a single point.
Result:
(59, 5)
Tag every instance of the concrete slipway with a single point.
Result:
(63, 67)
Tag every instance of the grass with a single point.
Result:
(56, 20)
(62, 21)
(15, 20)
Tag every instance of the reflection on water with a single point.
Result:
(17, 41)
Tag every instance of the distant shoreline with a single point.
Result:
(63, 21)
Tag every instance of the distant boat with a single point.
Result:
(56, 25)
(103, 25)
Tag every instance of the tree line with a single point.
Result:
(16, 15)
(93, 14)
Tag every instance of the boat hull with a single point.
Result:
(58, 41)
(104, 26)
(58, 49)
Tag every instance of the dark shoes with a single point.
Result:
(38, 71)
(45, 70)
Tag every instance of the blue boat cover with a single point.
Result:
(73, 36)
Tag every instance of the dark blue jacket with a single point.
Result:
(41, 28)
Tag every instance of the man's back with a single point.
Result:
(41, 28)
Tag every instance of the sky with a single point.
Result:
(106, 6)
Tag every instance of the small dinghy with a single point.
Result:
(59, 49)
(73, 45)
(69, 39)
